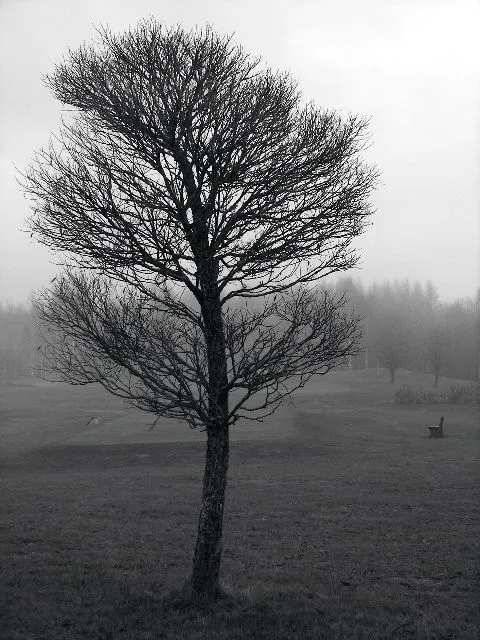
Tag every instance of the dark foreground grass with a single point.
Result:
(358, 527)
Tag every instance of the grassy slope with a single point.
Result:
(351, 523)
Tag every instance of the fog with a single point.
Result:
(404, 327)
(413, 67)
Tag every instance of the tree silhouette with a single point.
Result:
(187, 180)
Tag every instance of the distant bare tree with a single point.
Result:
(437, 341)
(15, 341)
(188, 167)
(392, 347)
(436, 352)
(388, 325)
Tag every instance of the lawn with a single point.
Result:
(343, 519)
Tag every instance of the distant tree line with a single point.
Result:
(16, 342)
(20, 343)
(405, 326)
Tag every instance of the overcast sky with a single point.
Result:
(413, 66)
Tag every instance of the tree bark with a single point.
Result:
(204, 582)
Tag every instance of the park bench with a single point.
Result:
(436, 431)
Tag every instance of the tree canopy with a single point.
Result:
(180, 144)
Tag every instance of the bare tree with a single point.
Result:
(188, 170)
(388, 327)
(15, 341)
(437, 339)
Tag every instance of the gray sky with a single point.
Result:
(412, 65)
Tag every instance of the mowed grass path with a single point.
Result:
(348, 523)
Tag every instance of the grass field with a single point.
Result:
(343, 519)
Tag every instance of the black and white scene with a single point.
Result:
(239, 320)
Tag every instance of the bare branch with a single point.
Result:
(187, 178)
(277, 348)
(135, 347)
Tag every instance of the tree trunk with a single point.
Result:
(437, 375)
(392, 375)
(204, 581)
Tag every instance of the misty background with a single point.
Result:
(412, 67)
(405, 326)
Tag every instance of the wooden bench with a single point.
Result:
(437, 430)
